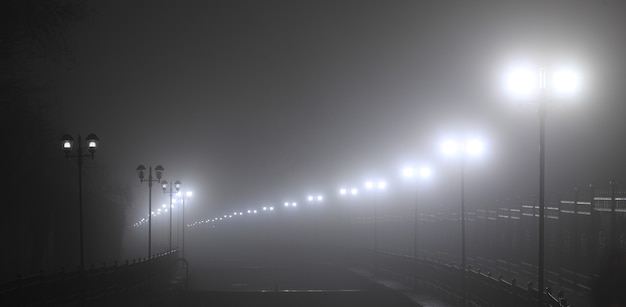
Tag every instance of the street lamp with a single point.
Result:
(378, 186)
(469, 147)
(350, 193)
(171, 192)
(141, 171)
(183, 196)
(315, 198)
(409, 172)
(525, 82)
(67, 144)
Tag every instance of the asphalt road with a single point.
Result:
(252, 278)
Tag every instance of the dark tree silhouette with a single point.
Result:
(32, 35)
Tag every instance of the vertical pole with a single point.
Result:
(463, 228)
(542, 152)
(593, 238)
(177, 229)
(184, 226)
(614, 237)
(170, 210)
(415, 242)
(79, 158)
(150, 213)
(375, 238)
(576, 239)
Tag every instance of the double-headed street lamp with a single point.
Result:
(176, 186)
(183, 196)
(317, 198)
(378, 186)
(345, 191)
(351, 193)
(525, 82)
(409, 172)
(471, 147)
(141, 172)
(67, 144)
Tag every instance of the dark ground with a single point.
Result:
(235, 283)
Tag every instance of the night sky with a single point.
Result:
(253, 102)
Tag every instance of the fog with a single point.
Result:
(252, 104)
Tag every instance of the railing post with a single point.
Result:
(63, 285)
(41, 291)
(614, 236)
(576, 239)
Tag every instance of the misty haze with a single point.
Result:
(313, 153)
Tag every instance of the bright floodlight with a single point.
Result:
(342, 191)
(522, 82)
(271, 208)
(320, 198)
(425, 172)
(293, 204)
(407, 172)
(286, 204)
(474, 147)
(264, 208)
(354, 191)
(369, 185)
(310, 198)
(249, 211)
(163, 206)
(566, 81)
(449, 147)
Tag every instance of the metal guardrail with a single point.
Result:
(483, 289)
(100, 283)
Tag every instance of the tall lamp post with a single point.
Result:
(410, 172)
(351, 193)
(141, 172)
(469, 147)
(183, 196)
(176, 186)
(67, 143)
(378, 186)
(526, 82)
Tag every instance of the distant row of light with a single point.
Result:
(163, 208)
(471, 146)
(230, 216)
